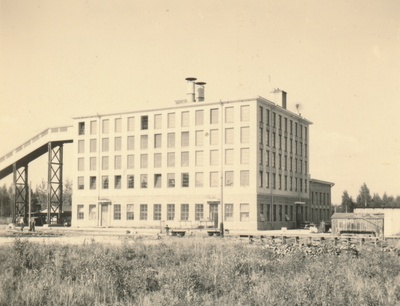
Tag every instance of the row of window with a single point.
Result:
(168, 180)
(320, 198)
(172, 214)
(171, 120)
(281, 182)
(274, 143)
(200, 137)
(282, 123)
(298, 163)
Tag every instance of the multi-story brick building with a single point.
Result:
(175, 166)
(319, 205)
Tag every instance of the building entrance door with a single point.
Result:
(104, 215)
(214, 214)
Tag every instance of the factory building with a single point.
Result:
(244, 163)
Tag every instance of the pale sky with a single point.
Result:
(339, 59)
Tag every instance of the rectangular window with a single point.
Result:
(117, 143)
(273, 119)
(117, 211)
(92, 212)
(117, 181)
(229, 136)
(274, 212)
(171, 140)
(131, 125)
(199, 212)
(244, 134)
(81, 164)
(213, 157)
(144, 122)
(285, 184)
(268, 212)
(267, 138)
(105, 126)
(199, 138)
(280, 182)
(229, 159)
(273, 139)
(143, 161)
(81, 146)
(280, 212)
(244, 212)
(245, 113)
(228, 212)
(171, 120)
(117, 162)
(157, 141)
(104, 181)
(273, 180)
(157, 212)
(213, 137)
(157, 160)
(130, 161)
(280, 122)
(171, 159)
(143, 211)
(104, 163)
(118, 123)
(81, 212)
(199, 158)
(157, 121)
(81, 183)
(130, 212)
(93, 163)
(214, 179)
(214, 114)
(260, 179)
(267, 161)
(131, 142)
(199, 179)
(144, 142)
(171, 180)
(185, 179)
(273, 159)
(184, 212)
(185, 139)
(93, 145)
(143, 181)
(267, 180)
(285, 124)
(244, 178)
(229, 178)
(170, 212)
(267, 116)
(184, 159)
(184, 119)
(93, 182)
(157, 180)
(229, 114)
(244, 156)
(199, 117)
(104, 145)
(131, 181)
(81, 127)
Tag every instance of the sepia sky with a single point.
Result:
(340, 60)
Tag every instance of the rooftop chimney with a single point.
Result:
(200, 91)
(284, 99)
(190, 89)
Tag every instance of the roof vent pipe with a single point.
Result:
(190, 89)
(284, 99)
(200, 91)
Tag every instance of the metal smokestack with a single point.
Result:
(190, 89)
(200, 91)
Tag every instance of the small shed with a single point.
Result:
(358, 224)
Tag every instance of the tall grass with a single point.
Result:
(193, 271)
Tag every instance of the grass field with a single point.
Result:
(196, 271)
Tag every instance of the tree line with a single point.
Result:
(38, 197)
(365, 200)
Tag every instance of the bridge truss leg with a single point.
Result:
(21, 192)
(55, 182)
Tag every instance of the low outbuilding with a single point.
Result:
(358, 224)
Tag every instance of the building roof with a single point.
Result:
(322, 182)
(356, 216)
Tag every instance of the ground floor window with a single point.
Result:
(170, 212)
(244, 212)
(228, 212)
(199, 212)
(184, 212)
(143, 211)
(157, 212)
(117, 211)
(129, 212)
(81, 213)
(92, 212)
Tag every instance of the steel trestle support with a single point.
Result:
(55, 182)
(21, 189)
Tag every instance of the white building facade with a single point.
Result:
(175, 166)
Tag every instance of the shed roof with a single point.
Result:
(357, 216)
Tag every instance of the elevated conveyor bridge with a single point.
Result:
(50, 141)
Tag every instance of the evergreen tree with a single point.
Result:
(364, 198)
(347, 204)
